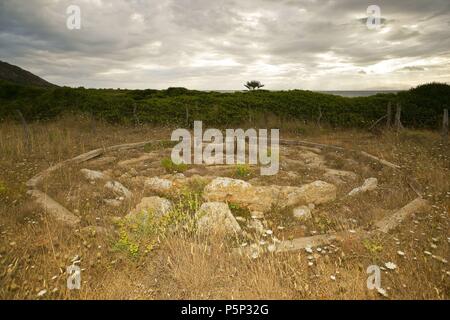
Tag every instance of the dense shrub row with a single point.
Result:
(422, 106)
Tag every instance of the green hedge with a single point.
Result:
(422, 106)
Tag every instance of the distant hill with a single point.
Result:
(17, 75)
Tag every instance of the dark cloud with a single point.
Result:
(220, 44)
(413, 68)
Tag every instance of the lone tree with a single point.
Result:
(253, 85)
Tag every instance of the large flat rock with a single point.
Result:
(263, 198)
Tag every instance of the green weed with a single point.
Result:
(372, 246)
(172, 167)
(3, 188)
(242, 171)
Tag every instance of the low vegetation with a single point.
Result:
(172, 167)
(2, 188)
(422, 106)
(242, 171)
(140, 238)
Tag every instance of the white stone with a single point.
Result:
(158, 184)
(93, 175)
(179, 176)
(390, 265)
(155, 205)
(216, 217)
(369, 185)
(118, 188)
(302, 213)
(42, 293)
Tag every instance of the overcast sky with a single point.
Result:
(220, 44)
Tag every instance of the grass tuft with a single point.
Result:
(172, 167)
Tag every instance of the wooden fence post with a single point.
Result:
(398, 115)
(389, 115)
(445, 125)
(135, 115)
(93, 124)
(26, 130)
(319, 118)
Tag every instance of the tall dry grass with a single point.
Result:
(34, 250)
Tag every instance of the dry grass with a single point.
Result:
(34, 251)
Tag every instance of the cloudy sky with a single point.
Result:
(219, 44)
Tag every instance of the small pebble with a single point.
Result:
(41, 293)
(390, 265)
(382, 292)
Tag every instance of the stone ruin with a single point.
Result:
(130, 182)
